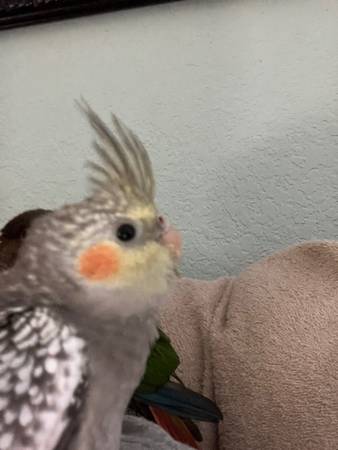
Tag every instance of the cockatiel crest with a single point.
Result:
(78, 306)
(112, 240)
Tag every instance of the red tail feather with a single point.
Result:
(174, 426)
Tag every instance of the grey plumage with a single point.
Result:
(42, 365)
(140, 434)
(67, 330)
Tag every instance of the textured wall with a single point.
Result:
(237, 102)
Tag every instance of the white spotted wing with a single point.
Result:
(42, 368)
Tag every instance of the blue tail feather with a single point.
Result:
(180, 401)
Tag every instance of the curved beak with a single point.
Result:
(171, 238)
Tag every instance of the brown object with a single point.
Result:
(264, 345)
(12, 235)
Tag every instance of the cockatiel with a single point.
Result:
(78, 310)
(170, 405)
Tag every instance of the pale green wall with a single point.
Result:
(237, 102)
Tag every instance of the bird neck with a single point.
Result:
(117, 360)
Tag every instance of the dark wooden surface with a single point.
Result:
(14, 13)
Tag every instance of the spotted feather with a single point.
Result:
(42, 368)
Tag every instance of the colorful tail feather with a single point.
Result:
(180, 401)
(175, 426)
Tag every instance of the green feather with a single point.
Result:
(161, 364)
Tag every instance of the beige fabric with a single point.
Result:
(265, 346)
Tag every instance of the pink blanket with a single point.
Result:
(264, 345)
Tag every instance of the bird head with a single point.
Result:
(112, 253)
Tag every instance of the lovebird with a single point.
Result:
(79, 308)
(157, 398)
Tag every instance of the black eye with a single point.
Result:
(126, 232)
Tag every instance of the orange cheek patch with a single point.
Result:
(99, 262)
